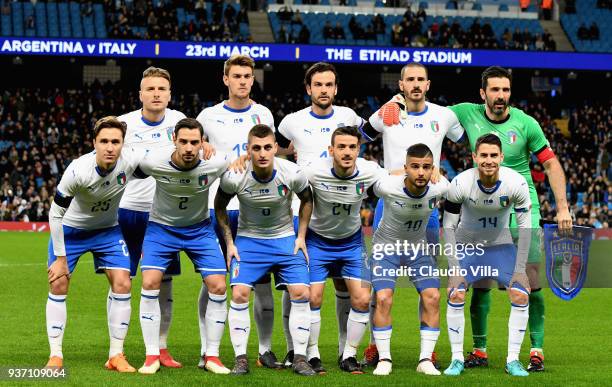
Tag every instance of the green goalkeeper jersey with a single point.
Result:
(520, 135)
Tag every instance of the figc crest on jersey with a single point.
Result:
(283, 190)
(203, 180)
(121, 178)
(512, 137)
(256, 119)
(433, 203)
(566, 259)
(435, 127)
(504, 201)
(360, 188)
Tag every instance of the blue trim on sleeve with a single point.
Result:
(364, 134)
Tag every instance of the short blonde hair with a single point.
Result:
(156, 72)
(238, 60)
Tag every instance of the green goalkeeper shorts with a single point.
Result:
(535, 247)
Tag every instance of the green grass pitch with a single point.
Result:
(578, 344)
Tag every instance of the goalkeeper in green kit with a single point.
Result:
(521, 136)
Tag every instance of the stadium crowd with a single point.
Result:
(141, 20)
(41, 131)
(410, 33)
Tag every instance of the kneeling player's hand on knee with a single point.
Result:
(300, 244)
(58, 269)
(455, 282)
(232, 252)
(521, 279)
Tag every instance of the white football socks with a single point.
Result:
(356, 327)
(315, 331)
(165, 307)
(299, 325)
(382, 337)
(150, 320)
(202, 305)
(56, 322)
(118, 321)
(286, 312)
(455, 321)
(343, 307)
(216, 314)
(263, 313)
(429, 338)
(240, 326)
(517, 324)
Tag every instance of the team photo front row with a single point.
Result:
(299, 224)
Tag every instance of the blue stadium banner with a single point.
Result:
(566, 259)
(303, 53)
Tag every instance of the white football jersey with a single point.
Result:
(485, 213)
(148, 136)
(265, 206)
(311, 134)
(96, 195)
(227, 130)
(428, 127)
(406, 216)
(337, 200)
(181, 196)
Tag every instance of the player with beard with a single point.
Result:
(406, 120)
(521, 136)
(226, 127)
(310, 131)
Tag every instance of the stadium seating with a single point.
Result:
(316, 21)
(587, 13)
(53, 19)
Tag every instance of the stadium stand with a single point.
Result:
(133, 19)
(178, 20)
(589, 13)
(42, 130)
(429, 25)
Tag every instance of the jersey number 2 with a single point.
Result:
(183, 203)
